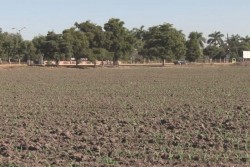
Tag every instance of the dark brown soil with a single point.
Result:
(183, 116)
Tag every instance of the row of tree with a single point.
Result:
(114, 42)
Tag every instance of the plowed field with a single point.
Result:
(183, 116)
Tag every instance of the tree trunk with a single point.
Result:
(115, 61)
(102, 63)
(29, 61)
(163, 62)
(57, 62)
(9, 60)
(19, 61)
(41, 60)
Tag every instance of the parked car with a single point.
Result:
(180, 62)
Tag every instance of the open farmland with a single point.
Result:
(125, 116)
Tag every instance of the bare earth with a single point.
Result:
(137, 116)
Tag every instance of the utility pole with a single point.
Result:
(19, 30)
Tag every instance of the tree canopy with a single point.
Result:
(164, 42)
(215, 38)
(113, 41)
(194, 46)
(119, 40)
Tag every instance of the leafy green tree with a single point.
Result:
(51, 46)
(10, 46)
(38, 43)
(77, 44)
(67, 43)
(118, 39)
(29, 51)
(1, 45)
(164, 42)
(17, 47)
(213, 51)
(93, 32)
(245, 39)
(244, 45)
(233, 44)
(65, 49)
(193, 50)
(194, 46)
(96, 38)
(138, 34)
(101, 54)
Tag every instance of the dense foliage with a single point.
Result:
(194, 45)
(115, 42)
(164, 42)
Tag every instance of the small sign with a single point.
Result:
(246, 54)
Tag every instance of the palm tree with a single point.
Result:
(215, 38)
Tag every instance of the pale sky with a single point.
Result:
(207, 16)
